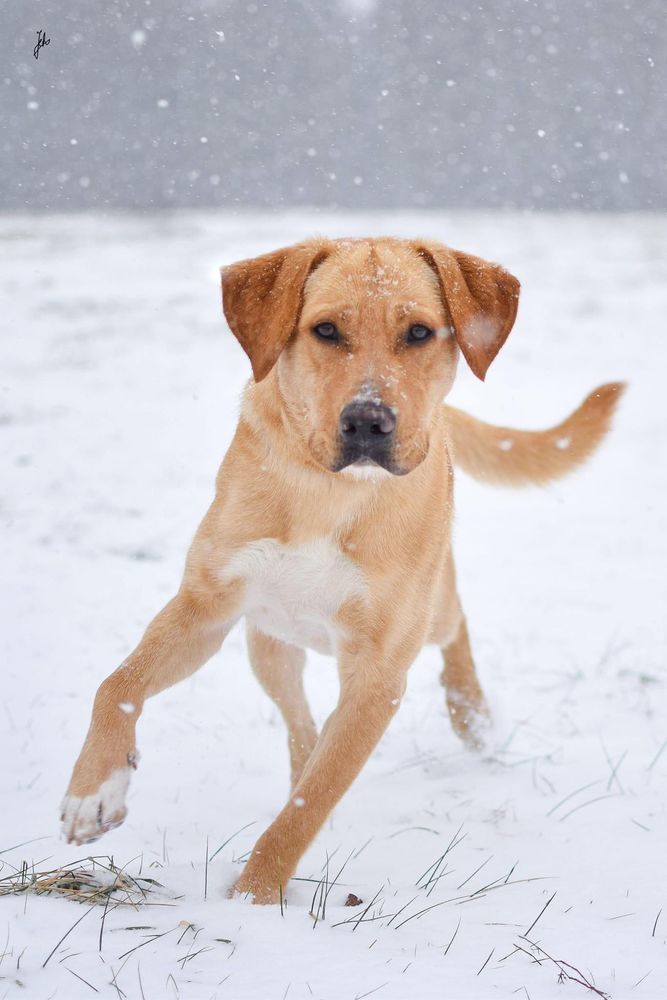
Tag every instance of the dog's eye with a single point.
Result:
(326, 331)
(418, 333)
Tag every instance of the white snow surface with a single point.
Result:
(119, 394)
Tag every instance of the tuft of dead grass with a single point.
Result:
(92, 881)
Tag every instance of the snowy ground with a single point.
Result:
(119, 385)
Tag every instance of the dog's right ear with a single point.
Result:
(262, 299)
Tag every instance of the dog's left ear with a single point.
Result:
(262, 299)
(482, 299)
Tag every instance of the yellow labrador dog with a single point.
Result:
(331, 524)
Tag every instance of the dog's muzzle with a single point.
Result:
(366, 434)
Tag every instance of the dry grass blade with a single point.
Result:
(453, 937)
(93, 988)
(566, 971)
(486, 962)
(548, 902)
(25, 843)
(427, 877)
(655, 924)
(589, 802)
(65, 935)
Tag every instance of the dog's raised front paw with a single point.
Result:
(86, 818)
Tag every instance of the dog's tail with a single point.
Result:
(508, 457)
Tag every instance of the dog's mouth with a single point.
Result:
(393, 458)
(384, 459)
(369, 471)
(363, 466)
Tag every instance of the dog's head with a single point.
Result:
(363, 338)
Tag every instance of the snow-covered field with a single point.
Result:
(119, 385)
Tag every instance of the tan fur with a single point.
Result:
(375, 553)
(278, 667)
(508, 457)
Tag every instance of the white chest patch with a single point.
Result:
(293, 592)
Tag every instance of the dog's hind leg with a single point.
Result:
(467, 706)
(279, 668)
(465, 699)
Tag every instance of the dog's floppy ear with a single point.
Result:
(262, 298)
(482, 299)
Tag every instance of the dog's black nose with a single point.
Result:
(366, 423)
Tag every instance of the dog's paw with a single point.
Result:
(86, 818)
(255, 891)
(471, 719)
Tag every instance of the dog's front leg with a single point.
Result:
(371, 691)
(178, 641)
